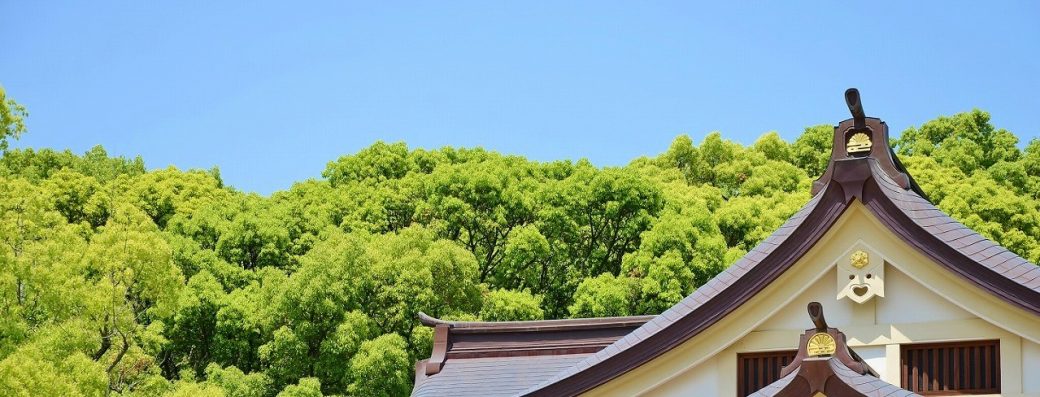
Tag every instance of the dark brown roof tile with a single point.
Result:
(492, 377)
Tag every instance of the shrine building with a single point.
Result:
(868, 290)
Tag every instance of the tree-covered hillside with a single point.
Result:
(117, 280)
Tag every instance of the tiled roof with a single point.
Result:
(867, 384)
(491, 377)
(959, 237)
(504, 358)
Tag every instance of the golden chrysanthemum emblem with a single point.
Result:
(859, 142)
(860, 259)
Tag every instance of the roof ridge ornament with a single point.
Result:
(855, 106)
(856, 140)
(823, 341)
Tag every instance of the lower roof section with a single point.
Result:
(490, 377)
(506, 358)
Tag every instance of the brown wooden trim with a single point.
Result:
(440, 349)
(463, 340)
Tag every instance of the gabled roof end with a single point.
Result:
(863, 137)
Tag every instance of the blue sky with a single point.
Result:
(272, 91)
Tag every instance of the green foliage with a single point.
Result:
(12, 119)
(377, 163)
(121, 281)
(192, 389)
(606, 295)
(54, 363)
(308, 387)
(812, 149)
(506, 305)
(966, 141)
(37, 165)
(683, 250)
(381, 367)
(235, 383)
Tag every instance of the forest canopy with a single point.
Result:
(120, 280)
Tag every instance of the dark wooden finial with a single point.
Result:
(816, 314)
(855, 105)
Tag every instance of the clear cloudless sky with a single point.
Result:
(270, 92)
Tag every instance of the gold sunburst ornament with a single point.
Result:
(820, 344)
(859, 259)
(858, 143)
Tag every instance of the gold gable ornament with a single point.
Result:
(820, 344)
(860, 259)
(860, 273)
(858, 143)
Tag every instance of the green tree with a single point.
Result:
(136, 287)
(682, 251)
(812, 150)
(235, 383)
(966, 140)
(54, 362)
(480, 204)
(506, 305)
(12, 119)
(604, 296)
(382, 367)
(377, 163)
(307, 387)
(194, 324)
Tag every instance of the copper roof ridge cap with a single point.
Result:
(430, 321)
(536, 325)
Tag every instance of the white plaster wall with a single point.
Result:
(700, 381)
(794, 316)
(1030, 367)
(907, 301)
(874, 356)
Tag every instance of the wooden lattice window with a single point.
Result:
(758, 370)
(951, 368)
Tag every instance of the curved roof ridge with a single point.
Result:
(959, 238)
